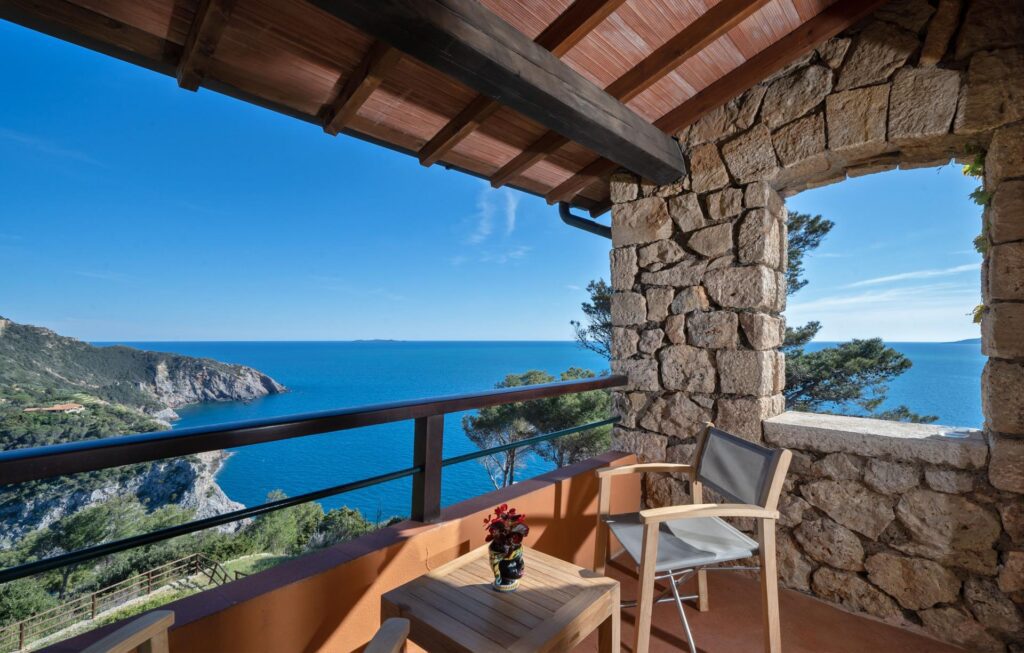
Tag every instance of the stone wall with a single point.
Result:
(697, 267)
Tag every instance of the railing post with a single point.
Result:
(92, 610)
(21, 635)
(149, 582)
(426, 485)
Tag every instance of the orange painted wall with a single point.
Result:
(330, 600)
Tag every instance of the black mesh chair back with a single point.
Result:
(738, 469)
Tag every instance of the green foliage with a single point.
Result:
(23, 598)
(596, 334)
(285, 531)
(505, 424)
(849, 377)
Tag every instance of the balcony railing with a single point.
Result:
(39, 463)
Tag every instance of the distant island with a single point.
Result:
(968, 341)
(57, 389)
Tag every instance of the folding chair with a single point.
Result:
(676, 542)
(147, 634)
(390, 638)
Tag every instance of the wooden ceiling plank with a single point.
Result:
(711, 25)
(794, 45)
(559, 37)
(535, 153)
(207, 27)
(363, 81)
(464, 40)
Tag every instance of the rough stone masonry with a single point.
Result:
(698, 273)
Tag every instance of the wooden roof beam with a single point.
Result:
(794, 45)
(207, 27)
(711, 25)
(359, 86)
(464, 40)
(559, 37)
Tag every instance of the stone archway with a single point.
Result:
(697, 269)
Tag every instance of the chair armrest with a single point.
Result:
(390, 638)
(148, 627)
(658, 515)
(673, 468)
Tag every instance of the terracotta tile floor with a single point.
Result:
(733, 625)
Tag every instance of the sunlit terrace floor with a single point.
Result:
(733, 625)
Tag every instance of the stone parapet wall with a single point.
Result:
(698, 266)
(900, 521)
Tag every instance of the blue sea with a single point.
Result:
(944, 381)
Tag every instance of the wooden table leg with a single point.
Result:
(609, 633)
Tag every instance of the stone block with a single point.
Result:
(693, 298)
(800, 141)
(875, 438)
(727, 119)
(762, 331)
(854, 593)
(753, 287)
(839, 467)
(991, 607)
(707, 172)
(686, 212)
(922, 103)
(687, 368)
(990, 24)
(949, 481)
(628, 308)
(658, 301)
(628, 405)
(750, 156)
(760, 239)
(911, 15)
(624, 268)
(659, 255)
(712, 241)
(833, 51)
(676, 415)
(946, 522)
(1011, 575)
(1005, 157)
(852, 505)
(623, 187)
(956, 626)
(761, 195)
(890, 478)
(650, 341)
(713, 330)
(648, 447)
(624, 343)
(1002, 396)
(940, 30)
(856, 120)
(747, 372)
(662, 490)
(1002, 331)
(915, 582)
(1006, 468)
(642, 374)
(675, 329)
(795, 95)
(994, 92)
(725, 204)
(792, 509)
(1005, 214)
(829, 543)
(1012, 516)
(742, 416)
(640, 221)
(688, 272)
(880, 49)
(794, 569)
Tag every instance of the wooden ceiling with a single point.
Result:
(667, 61)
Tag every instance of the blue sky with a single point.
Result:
(133, 210)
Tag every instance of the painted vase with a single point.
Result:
(508, 569)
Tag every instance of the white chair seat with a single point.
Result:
(684, 543)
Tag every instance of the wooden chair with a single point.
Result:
(147, 634)
(390, 638)
(676, 542)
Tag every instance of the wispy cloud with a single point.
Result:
(46, 147)
(339, 284)
(573, 286)
(511, 203)
(504, 256)
(916, 274)
(101, 275)
(487, 208)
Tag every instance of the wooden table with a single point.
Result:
(558, 604)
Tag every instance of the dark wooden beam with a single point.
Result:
(464, 40)
(710, 26)
(207, 27)
(794, 45)
(559, 37)
(363, 81)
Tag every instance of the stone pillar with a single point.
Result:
(697, 270)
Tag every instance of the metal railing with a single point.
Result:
(38, 463)
(85, 608)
